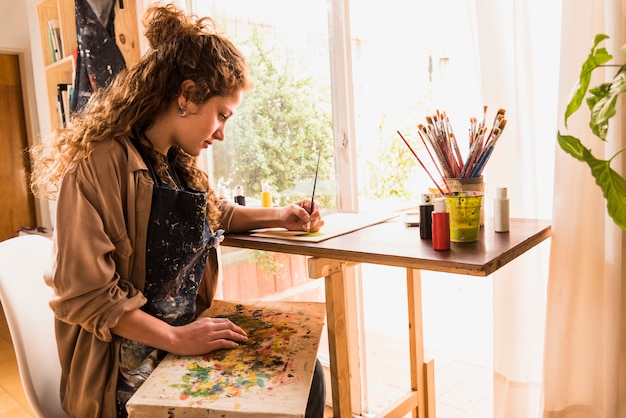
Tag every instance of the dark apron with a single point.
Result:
(177, 248)
(178, 241)
(99, 59)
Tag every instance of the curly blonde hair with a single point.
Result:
(182, 47)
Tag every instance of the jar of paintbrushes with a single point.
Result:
(468, 184)
(456, 173)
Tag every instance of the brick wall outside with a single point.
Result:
(257, 275)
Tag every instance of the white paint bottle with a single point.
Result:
(501, 210)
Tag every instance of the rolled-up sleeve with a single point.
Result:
(228, 209)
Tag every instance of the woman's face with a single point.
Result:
(205, 123)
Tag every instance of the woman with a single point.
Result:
(137, 222)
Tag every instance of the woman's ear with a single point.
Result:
(186, 92)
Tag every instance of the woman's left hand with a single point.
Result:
(295, 217)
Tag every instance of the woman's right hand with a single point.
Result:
(205, 335)
(201, 336)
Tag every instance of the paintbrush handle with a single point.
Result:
(422, 164)
(319, 154)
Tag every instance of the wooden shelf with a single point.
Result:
(58, 69)
(63, 12)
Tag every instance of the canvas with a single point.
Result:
(335, 224)
(269, 376)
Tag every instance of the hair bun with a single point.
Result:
(167, 24)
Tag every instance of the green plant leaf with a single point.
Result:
(602, 103)
(613, 185)
(572, 146)
(597, 56)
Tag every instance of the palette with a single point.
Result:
(268, 376)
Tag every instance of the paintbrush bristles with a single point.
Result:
(441, 143)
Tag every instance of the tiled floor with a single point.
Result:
(457, 329)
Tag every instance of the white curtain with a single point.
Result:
(559, 320)
(518, 44)
(585, 343)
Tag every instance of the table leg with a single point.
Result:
(422, 374)
(337, 323)
(338, 345)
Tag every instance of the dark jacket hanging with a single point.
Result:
(99, 59)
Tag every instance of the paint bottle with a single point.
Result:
(441, 225)
(222, 193)
(426, 220)
(501, 210)
(266, 194)
(240, 199)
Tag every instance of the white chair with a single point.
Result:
(24, 297)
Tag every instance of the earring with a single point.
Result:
(182, 111)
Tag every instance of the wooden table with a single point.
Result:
(391, 243)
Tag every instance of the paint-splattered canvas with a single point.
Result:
(268, 376)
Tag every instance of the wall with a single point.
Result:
(19, 34)
(18, 26)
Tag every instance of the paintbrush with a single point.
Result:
(312, 206)
(421, 163)
(484, 115)
(477, 166)
(484, 157)
(419, 131)
(439, 144)
(433, 143)
(437, 135)
(319, 154)
(474, 152)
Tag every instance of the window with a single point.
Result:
(342, 81)
(279, 130)
(409, 59)
(287, 118)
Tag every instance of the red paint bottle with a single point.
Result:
(441, 225)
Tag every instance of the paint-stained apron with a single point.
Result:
(178, 242)
(99, 59)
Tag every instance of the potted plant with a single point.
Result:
(601, 100)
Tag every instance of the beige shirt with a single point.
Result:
(98, 274)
